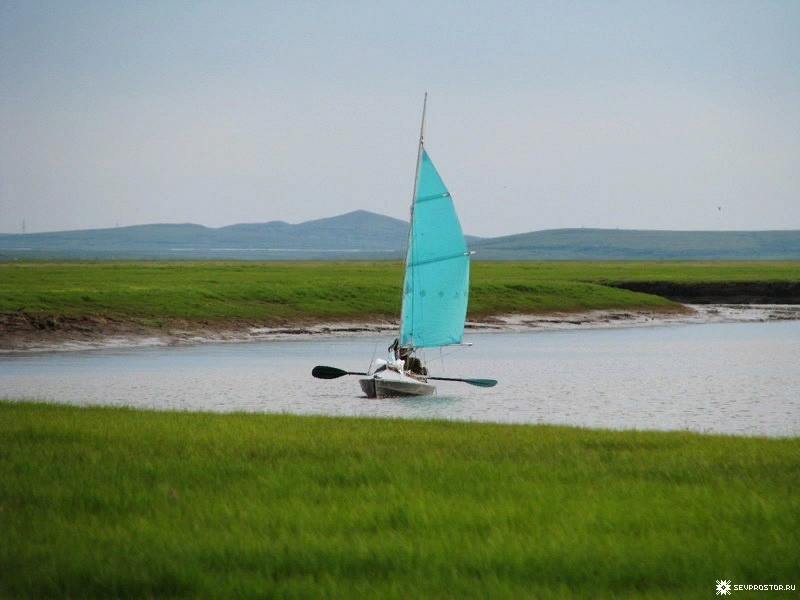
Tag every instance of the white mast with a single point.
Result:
(419, 153)
(413, 204)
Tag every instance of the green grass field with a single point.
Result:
(274, 292)
(613, 271)
(121, 503)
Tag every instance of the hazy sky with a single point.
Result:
(541, 114)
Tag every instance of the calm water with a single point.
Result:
(741, 378)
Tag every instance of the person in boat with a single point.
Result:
(410, 363)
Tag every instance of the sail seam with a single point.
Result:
(433, 197)
(438, 259)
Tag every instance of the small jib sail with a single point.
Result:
(436, 286)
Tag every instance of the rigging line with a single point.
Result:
(372, 360)
(455, 348)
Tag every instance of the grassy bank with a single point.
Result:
(621, 271)
(116, 503)
(272, 292)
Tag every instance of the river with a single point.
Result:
(732, 378)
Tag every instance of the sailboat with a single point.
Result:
(435, 291)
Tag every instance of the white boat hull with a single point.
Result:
(402, 385)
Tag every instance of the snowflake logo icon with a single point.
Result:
(724, 587)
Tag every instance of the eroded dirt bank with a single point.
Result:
(20, 332)
(722, 292)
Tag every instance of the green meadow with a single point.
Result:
(275, 292)
(619, 271)
(121, 503)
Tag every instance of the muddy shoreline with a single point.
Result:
(23, 333)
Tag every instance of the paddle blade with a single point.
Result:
(321, 372)
(482, 382)
(478, 382)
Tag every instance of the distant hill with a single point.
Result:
(611, 244)
(365, 235)
(358, 234)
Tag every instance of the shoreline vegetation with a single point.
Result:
(86, 304)
(108, 502)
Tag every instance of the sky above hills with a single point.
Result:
(541, 114)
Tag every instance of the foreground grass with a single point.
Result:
(271, 292)
(118, 503)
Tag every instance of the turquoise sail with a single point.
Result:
(436, 287)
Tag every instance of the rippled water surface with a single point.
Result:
(741, 378)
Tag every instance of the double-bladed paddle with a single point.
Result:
(322, 372)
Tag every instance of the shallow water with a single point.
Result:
(737, 378)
